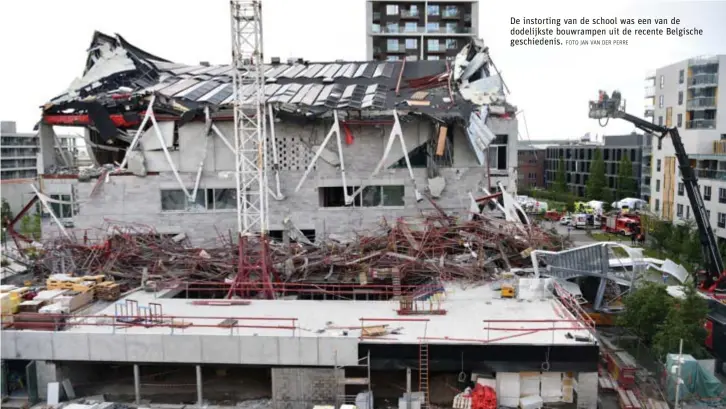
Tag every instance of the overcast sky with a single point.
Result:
(44, 42)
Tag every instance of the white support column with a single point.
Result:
(137, 384)
(275, 161)
(139, 132)
(396, 132)
(200, 400)
(335, 129)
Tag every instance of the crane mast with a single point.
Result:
(250, 146)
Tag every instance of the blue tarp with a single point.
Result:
(698, 384)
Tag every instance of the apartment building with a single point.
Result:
(18, 153)
(419, 30)
(689, 95)
(578, 160)
(531, 166)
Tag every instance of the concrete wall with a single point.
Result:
(203, 349)
(301, 388)
(133, 199)
(17, 195)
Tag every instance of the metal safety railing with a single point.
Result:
(354, 291)
(174, 323)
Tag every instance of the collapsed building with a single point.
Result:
(348, 142)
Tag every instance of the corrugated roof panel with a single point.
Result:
(220, 69)
(178, 87)
(281, 91)
(361, 69)
(367, 101)
(372, 89)
(183, 93)
(350, 70)
(379, 70)
(201, 91)
(271, 89)
(276, 70)
(247, 91)
(289, 93)
(328, 71)
(203, 70)
(162, 85)
(292, 72)
(335, 95)
(311, 71)
(347, 96)
(301, 94)
(184, 70)
(312, 94)
(358, 94)
(340, 71)
(369, 70)
(320, 100)
(228, 100)
(209, 95)
(388, 70)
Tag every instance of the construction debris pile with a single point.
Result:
(418, 250)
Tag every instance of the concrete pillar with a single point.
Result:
(137, 384)
(46, 372)
(199, 386)
(587, 390)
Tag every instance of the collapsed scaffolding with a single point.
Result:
(432, 248)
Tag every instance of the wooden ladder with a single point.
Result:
(423, 372)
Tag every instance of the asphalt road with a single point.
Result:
(578, 236)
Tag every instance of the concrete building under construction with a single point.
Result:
(350, 146)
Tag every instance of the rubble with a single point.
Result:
(418, 250)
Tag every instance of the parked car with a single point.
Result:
(566, 220)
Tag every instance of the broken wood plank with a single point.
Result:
(441, 144)
(228, 323)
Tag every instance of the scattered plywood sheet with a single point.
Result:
(419, 95)
(418, 103)
(441, 143)
(374, 330)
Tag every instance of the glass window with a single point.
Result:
(392, 44)
(681, 75)
(451, 11)
(432, 27)
(452, 27)
(393, 195)
(432, 57)
(660, 101)
(662, 81)
(433, 45)
(433, 10)
(392, 58)
(452, 44)
(392, 10)
(371, 196)
(392, 28)
(411, 43)
(221, 199)
(410, 27)
(411, 58)
(375, 28)
(173, 200)
(680, 97)
(679, 120)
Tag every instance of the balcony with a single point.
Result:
(702, 103)
(701, 124)
(711, 174)
(376, 16)
(703, 60)
(649, 91)
(703, 80)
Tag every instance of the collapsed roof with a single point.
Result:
(119, 80)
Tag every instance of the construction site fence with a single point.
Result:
(172, 323)
(344, 290)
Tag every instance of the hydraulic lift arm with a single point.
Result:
(605, 108)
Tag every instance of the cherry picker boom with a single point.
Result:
(610, 107)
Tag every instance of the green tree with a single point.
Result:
(596, 182)
(645, 310)
(627, 186)
(6, 215)
(684, 321)
(561, 177)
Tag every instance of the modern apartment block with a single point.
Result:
(419, 30)
(578, 160)
(531, 166)
(689, 95)
(18, 153)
